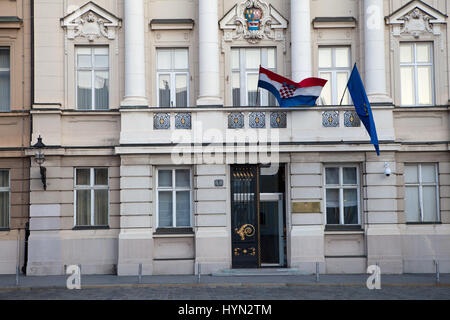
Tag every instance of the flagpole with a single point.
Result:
(257, 88)
(346, 87)
(345, 90)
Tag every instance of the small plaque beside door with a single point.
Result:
(306, 207)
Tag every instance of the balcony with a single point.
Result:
(299, 128)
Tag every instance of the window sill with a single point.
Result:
(90, 228)
(424, 223)
(173, 232)
(339, 228)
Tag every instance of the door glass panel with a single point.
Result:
(164, 90)
(235, 58)
(252, 58)
(181, 59)
(164, 59)
(271, 58)
(181, 90)
(325, 58)
(342, 79)
(252, 88)
(269, 232)
(342, 57)
(326, 91)
(236, 89)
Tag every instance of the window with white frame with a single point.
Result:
(245, 64)
(174, 195)
(5, 80)
(92, 65)
(173, 77)
(334, 66)
(421, 192)
(4, 198)
(91, 197)
(342, 195)
(416, 73)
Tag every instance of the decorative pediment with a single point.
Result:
(253, 20)
(416, 18)
(91, 22)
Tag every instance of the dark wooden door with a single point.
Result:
(244, 217)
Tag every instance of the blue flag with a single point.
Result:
(362, 106)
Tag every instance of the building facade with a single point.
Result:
(15, 103)
(160, 151)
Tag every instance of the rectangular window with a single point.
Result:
(334, 66)
(91, 197)
(4, 198)
(174, 194)
(173, 77)
(421, 193)
(92, 64)
(416, 73)
(5, 79)
(245, 64)
(342, 195)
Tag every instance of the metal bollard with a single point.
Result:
(17, 274)
(199, 271)
(437, 271)
(140, 273)
(317, 272)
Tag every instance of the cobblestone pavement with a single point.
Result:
(188, 292)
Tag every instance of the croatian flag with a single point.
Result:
(288, 92)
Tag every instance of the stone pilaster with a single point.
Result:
(301, 39)
(209, 90)
(134, 54)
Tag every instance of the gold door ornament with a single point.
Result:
(245, 230)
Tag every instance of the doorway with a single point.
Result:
(258, 216)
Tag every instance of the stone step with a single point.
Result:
(259, 272)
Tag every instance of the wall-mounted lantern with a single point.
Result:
(39, 157)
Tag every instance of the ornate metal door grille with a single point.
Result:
(244, 217)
